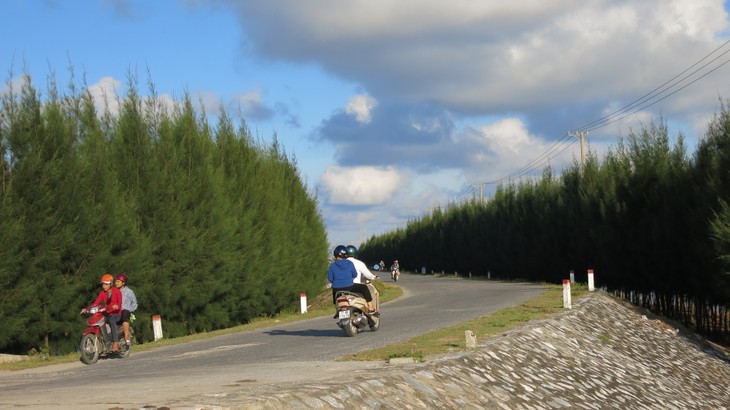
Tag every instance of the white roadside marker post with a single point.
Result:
(566, 294)
(591, 287)
(157, 327)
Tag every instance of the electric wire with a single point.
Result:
(607, 119)
(660, 99)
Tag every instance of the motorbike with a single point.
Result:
(394, 274)
(352, 312)
(96, 341)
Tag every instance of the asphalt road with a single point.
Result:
(287, 353)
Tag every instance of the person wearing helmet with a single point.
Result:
(362, 271)
(129, 304)
(360, 267)
(110, 297)
(341, 274)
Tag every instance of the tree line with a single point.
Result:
(651, 220)
(212, 227)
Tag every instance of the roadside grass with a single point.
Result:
(453, 339)
(317, 307)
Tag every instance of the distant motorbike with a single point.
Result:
(352, 316)
(96, 340)
(394, 274)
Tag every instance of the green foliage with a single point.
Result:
(212, 228)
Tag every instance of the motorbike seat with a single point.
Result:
(349, 293)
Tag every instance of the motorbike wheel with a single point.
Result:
(350, 328)
(89, 349)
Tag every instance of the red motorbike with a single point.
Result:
(96, 340)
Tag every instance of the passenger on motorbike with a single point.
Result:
(360, 267)
(342, 273)
(110, 297)
(129, 304)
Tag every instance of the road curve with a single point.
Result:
(303, 350)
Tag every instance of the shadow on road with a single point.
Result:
(309, 332)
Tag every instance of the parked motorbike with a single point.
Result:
(394, 274)
(96, 340)
(352, 312)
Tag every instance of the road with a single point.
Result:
(304, 350)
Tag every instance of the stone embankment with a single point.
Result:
(602, 354)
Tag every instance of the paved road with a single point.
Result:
(302, 350)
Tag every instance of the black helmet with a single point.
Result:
(351, 251)
(340, 251)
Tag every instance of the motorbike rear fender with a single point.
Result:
(92, 330)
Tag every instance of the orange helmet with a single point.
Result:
(107, 278)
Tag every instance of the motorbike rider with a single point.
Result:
(362, 270)
(110, 297)
(395, 265)
(360, 267)
(129, 304)
(342, 273)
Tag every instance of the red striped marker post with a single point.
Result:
(566, 294)
(303, 302)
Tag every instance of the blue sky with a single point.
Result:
(394, 108)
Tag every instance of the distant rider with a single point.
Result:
(342, 273)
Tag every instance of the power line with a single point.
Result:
(609, 119)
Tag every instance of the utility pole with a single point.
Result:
(581, 135)
(481, 192)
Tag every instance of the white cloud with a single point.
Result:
(490, 55)
(15, 86)
(507, 136)
(104, 93)
(360, 185)
(361, 106)
(248, 99)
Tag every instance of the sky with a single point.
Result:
(393, 109)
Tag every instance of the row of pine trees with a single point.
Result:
(212, 228)
(650, 220)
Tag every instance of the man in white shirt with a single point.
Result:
(363, 271)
